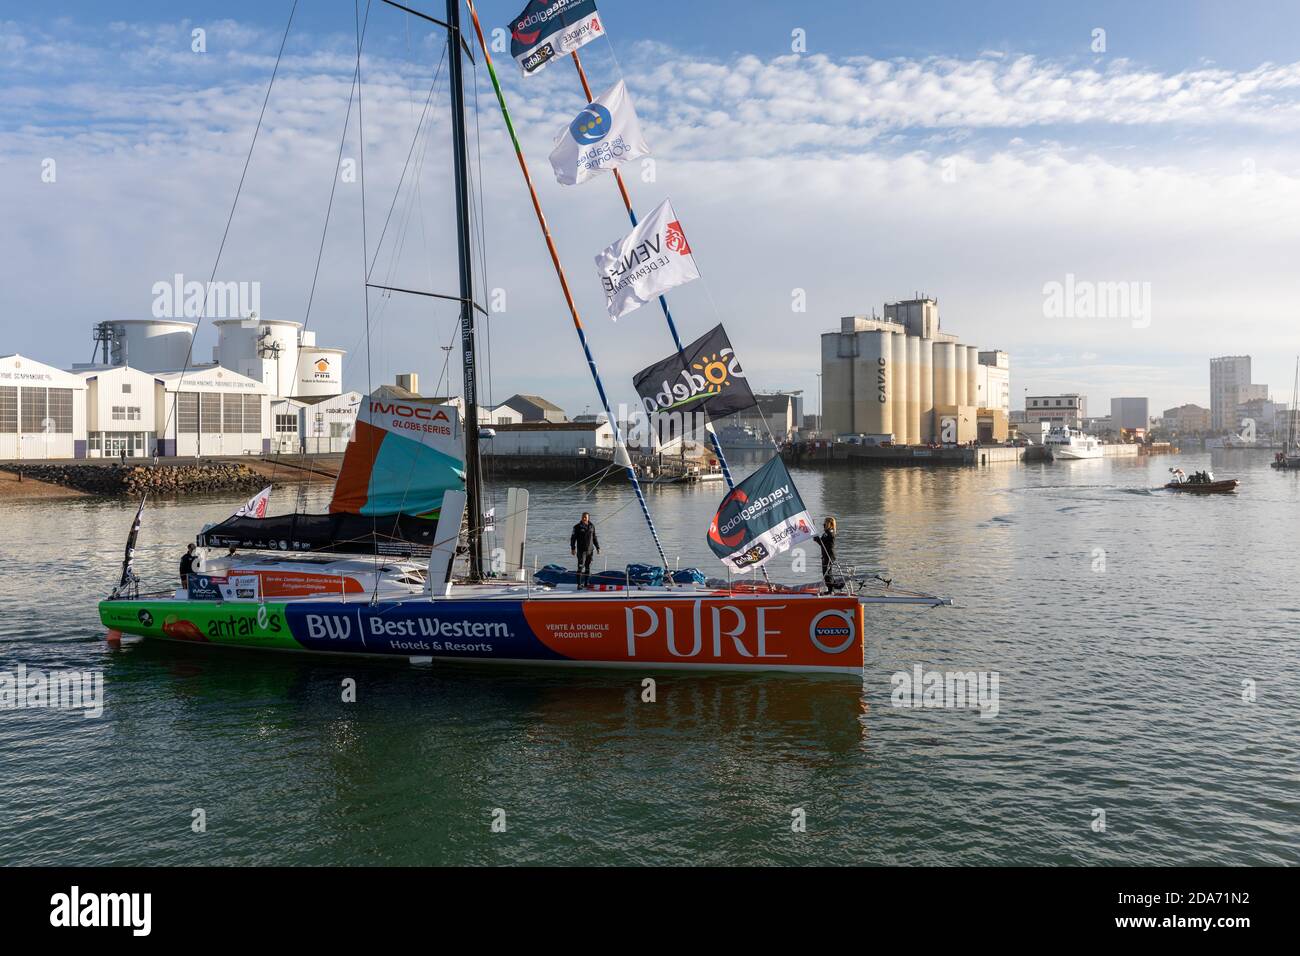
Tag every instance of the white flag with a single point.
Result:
(605, 134)
(255, 507)
(653, 258)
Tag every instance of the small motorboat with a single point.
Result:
(1200, 483)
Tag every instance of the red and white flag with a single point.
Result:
(255, 507)
(651, 259)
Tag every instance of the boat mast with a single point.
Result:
(473, 472)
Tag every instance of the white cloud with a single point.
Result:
(812, 173)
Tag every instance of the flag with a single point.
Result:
(605, 134)
(550, 28)
(759, 518)
(651, 259)
(128, 557)
(255, 507)
(710, 379)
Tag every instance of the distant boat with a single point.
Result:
(1063, 443)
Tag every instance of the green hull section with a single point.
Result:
(202, 622)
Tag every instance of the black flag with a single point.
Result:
(128, 558)
(710, 380)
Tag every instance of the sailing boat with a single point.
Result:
(374, 576)
(1289, 456)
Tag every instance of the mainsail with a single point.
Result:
(405, 454)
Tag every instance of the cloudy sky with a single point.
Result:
(976, 152)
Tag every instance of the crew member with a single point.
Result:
(583, 543)
(826, 541)
(187, 565)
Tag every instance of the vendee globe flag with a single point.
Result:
(605, 134)
(710, 379)
(651, 259)
(759, 518)
(551, 28)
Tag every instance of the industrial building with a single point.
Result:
(313, 428)
(145, 394)
(902, 376)
(1130, 414)
(551, 438)
(122, 408)
(42, 410)
(1068, 409)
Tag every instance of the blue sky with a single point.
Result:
(974, 151)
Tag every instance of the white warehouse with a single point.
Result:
(42, 410)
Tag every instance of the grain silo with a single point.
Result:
(877, 364)
(972, 375)
(945, 374)
(962, 378)
(898, 386)
(914, 389)
(925, 405)
(151, 345)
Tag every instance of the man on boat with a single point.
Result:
(187, 565)
(583, 543)
(826, 541)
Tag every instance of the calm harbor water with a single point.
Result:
(1123, 624)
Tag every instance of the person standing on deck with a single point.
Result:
(187, 565)
(583, 543)
(826, 541)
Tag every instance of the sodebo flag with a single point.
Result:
(651, 259)
(550, 28)
(605, 134)
(759, 518)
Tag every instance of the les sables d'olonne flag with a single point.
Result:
(759, 518)
(651, 259)
(605, 134)
(552, 28)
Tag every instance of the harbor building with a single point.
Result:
(212, 411)
(121, 411)
(313, 428)
(1068, 409)
(551, 438)
(42, 410)
(1129, 414)
(901, 376)
(1230, 386)
(534, 408)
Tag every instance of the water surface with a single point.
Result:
(1121, 622)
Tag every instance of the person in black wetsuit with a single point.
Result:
(583, 543)
(826, 541)
(187, 565)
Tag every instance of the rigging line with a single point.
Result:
(320, 251)
(419, 199)
(365, 255)
(482, 217)
(564, 283)
(189, 354)
(414, 140)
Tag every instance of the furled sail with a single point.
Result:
(404, 455)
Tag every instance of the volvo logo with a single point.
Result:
(825, 635)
